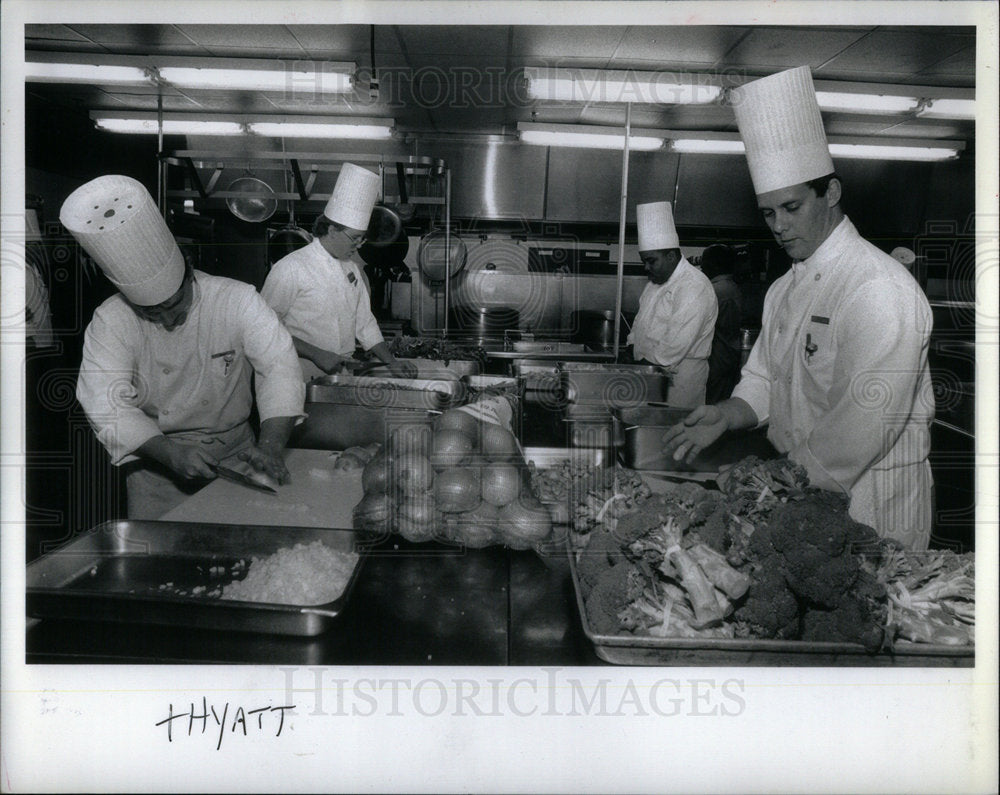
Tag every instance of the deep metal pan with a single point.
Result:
(647, 650)
(115, 573)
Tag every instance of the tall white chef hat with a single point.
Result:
(781, 127)
(116, 221)
(656, 226)
(353, 197)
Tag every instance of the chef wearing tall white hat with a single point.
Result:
(677, 309)
(839, 373)
(167, 361)
(319, 292)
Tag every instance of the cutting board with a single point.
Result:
(317, 496)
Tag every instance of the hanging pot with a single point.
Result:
(257, 205)
(291, 237)
(386, 243)
(432, 259)
(596, 328)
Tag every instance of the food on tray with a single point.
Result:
(767, 557)
(462, 481)
(403, 347)
(305, 574)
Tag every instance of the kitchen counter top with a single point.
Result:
(413, 604)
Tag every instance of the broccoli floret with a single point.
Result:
(608, 597)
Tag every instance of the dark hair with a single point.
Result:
(820, 184)
(322, 225)
(718, 259)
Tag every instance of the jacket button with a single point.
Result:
(165, 412)
(166, 371)
(816, 277)
(204, 402)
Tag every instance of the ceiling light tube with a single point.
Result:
(843, 147)
(588, 136)
(596, 85)
(322, 129)
(923, 152)
(865, 103)
(173, 124)
(302, 77)
(77, 73)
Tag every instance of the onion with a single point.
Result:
(458, 420)
(415, 518)
(501, 484)
(376, 474)
(497, 442)
(456, 489)
(410, 438)
(450, 448)
(525, 522)
(411, 474)
(476, 528)
(347, 462)
(374, 514)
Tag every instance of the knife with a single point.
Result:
(244, 480)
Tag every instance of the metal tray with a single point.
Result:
(434, 368)
(337, 426)
(114, 573)
(615, 385)
(548, 346)
(384, 392)
(639, 430)
(647, 650)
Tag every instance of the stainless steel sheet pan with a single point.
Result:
(146, 572)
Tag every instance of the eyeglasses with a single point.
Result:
(355, 237)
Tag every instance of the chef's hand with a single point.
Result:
(706, 424)
(694, 433)
(266, 459)
(402, 369)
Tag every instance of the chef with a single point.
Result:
(167, 361)
(319, 292)
(677, 309)
(839, 373)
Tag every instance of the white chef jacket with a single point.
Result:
(840, 374)
(674, 328)
(322, 300)
(38, 318)
(138, 380)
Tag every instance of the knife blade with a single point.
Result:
(244, 480)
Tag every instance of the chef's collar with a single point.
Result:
(826, 253)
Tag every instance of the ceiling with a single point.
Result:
(464, 80)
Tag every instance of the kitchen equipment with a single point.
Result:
(485, 321)
(628, 649)
(257, 205)
(547, 346)
(589, 426)
(614, 385)
(378, 392)
(244, 480)
(596, 328)
(641, 430)
(146, 572)
(404, 209)
(748, 336)
(432, 256)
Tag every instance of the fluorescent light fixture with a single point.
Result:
(842, 147)
(943, 108)
(588, 136)
(170, 126)
(221, 124)
(596, 85)
(865, 103)
(923, 152)
(708, 146)
(342, 128)
(86, 73)
(300, 78)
